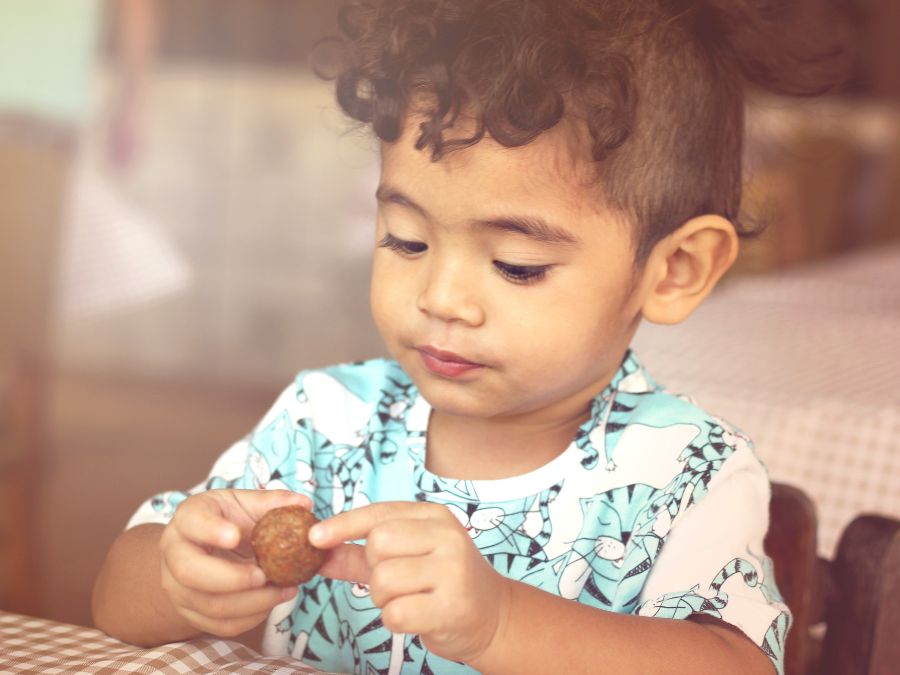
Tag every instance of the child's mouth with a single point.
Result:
(444, 363)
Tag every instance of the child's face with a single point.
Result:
(499, 283)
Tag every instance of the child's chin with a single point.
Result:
(451, 397)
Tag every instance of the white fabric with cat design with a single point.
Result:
(655, 508)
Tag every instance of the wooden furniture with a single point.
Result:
(20, 434)
(855, 597)
(863, 601)
(34, 165)
(791, 543)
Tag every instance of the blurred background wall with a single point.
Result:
(189, 223)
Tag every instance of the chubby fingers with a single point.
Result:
(229, 614)
(347, 562)
(200, 519)
(202, 546)
(221, 518)
(192, 566)
(245, 507)
(391, 530)
(399, 577)
(358, 523)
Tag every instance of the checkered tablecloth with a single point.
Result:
(30, 645)
(808, 364)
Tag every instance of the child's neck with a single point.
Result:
(489, 449)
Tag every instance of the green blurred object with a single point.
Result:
(47, 52)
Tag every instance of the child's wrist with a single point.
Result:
(492, 656)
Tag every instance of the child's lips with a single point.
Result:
(445, 363)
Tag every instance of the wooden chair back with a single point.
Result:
(847, 610)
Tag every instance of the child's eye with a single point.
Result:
(521, 274)
(403, 246)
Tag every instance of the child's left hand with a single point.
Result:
(423, 571)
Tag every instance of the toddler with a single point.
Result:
(509, 492)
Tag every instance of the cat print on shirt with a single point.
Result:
(590, 527)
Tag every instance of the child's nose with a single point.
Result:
(449, 295)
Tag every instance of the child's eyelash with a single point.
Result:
(517, 274)
(392, 243)
(521, 274)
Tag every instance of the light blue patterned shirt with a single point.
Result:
(656, 508)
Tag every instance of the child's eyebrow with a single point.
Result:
(387, 194)
(532, 227)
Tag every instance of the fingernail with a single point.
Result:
(258, 578)
(227, 536)
(318, 534)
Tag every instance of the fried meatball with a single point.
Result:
(280, 541)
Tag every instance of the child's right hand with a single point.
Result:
(208, 569)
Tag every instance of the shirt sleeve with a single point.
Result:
(275, 455)
(713, 562)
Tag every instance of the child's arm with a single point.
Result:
(428, 577)
(128, 601)
(195, 575)
(544, 633)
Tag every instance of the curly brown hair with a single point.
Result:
(657, 84)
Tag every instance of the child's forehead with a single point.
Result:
(556, 162)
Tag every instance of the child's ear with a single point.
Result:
(684, 267)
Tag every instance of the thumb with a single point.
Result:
(256, 503)
(347, 562)
(243, 508)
